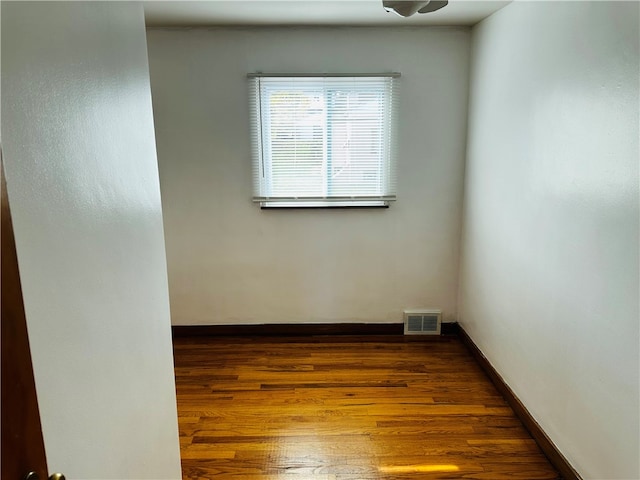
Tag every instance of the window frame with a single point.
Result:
(263, 154)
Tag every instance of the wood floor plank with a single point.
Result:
(336, 408)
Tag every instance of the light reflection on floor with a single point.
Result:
(419, 468)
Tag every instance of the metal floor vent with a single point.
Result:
(422, 322)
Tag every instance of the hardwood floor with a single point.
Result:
(344, 408)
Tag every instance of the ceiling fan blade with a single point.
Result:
(433, 5)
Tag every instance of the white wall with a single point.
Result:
(230, 262)
(82, 178)
(550, 251)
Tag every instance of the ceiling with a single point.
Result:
(308, 12)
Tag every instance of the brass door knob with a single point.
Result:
(35, 476)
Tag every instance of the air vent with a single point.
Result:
(422, 322)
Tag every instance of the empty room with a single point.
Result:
(327, 240)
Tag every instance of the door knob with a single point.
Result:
(35, 476)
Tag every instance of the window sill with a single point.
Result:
(322, 203)
(321, 207)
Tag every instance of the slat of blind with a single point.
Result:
(323, 138)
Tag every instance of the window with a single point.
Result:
(323, 141)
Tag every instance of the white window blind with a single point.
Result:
(323, 141)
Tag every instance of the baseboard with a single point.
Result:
(288, 330)
(544, 442)
(449, 328)
(302, 330)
